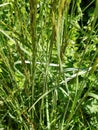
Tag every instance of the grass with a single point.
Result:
(48, 65)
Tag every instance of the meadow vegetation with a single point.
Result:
(48, 65)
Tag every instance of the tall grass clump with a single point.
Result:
(48, 65)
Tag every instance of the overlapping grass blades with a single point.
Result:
(48, 65)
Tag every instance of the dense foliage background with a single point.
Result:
(48, 64)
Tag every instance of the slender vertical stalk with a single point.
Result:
(59, 29)
(47, 102)
(33, 13)
(58, 36)
(63, 25)
(53, 20)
